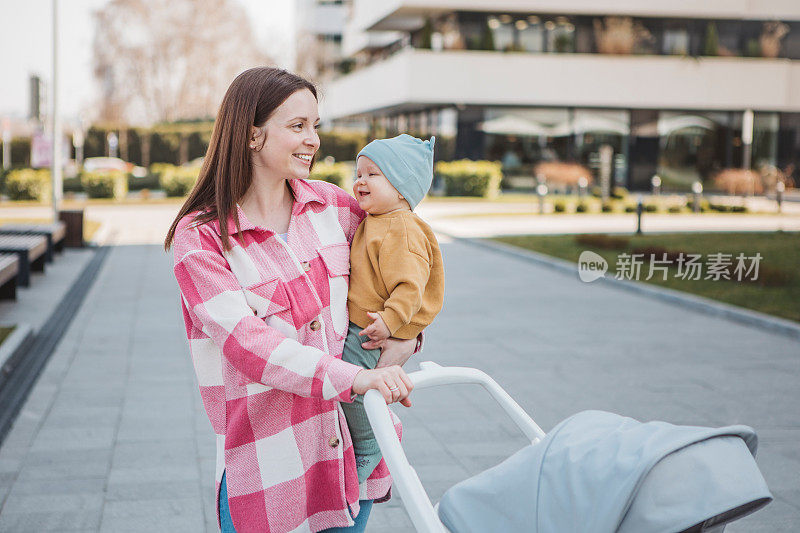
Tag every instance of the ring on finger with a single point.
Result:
(394, 389)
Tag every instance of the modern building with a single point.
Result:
(682, 89)
(319, 28)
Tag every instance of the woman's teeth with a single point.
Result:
(303, 157)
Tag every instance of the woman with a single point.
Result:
(262, 262)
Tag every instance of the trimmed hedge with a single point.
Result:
(337, 173)
(105, 184)
(470, 178)
(178, 181)
(28, 184)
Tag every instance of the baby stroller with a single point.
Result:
(594, 472)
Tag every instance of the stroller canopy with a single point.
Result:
(601, 472)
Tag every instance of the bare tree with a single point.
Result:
(165, 60)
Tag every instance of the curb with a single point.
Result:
(13, 348)
(690, 301)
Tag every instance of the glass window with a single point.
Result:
(531, 34)
(522, 137)
(765, 140)
(502, 32)
(676, 39)
(692, 147)
(791, 42)
(595, 128)
(560, 35)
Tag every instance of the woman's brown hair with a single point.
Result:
(226, 173)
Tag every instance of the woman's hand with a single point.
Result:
(390, 381)
(393, 351)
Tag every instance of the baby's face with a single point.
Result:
(373, 191)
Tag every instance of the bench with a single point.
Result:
(55, 234)
(9, 268)
(30, 250)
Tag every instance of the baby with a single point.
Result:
(396, 273)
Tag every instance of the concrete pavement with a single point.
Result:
(114, 438)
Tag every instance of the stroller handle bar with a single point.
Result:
(421, 511)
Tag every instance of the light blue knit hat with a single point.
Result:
(407, 162)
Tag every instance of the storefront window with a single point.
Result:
(692, 147)
(520, 137)
(765, 140)
(595, 128)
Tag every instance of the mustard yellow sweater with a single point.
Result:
(396, 270)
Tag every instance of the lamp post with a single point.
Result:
(639, 209)
(6, 144)
(55, 121)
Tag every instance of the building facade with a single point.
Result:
(678, 89)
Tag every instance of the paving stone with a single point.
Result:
(116, 417)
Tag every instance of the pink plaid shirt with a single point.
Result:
(266, 323)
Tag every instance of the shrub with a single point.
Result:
(630, 208)
(601, 240)
(619, 193)
(337, 173)
(343, 145)
(770, 277)
(151, 181)
(559, 207)
(28, 184)
(674, 209)
(470, 178)
(581, 208)
(178, 181)
(105, 184)
(649, 208)
(606, 208)
(73, 184)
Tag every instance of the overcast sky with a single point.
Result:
(26, 47)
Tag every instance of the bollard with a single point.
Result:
(541, 190)
(583, 182)
(697, 189)
(639, 209)
(779, 188)
(655, 181)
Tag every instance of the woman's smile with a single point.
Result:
(305, 158)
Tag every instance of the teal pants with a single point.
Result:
(366, 449)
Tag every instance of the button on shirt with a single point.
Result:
(270, 385)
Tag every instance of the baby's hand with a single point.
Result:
(378, 330)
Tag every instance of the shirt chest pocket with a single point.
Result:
(268, 299)
(336, 258)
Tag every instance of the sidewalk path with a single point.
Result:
(114, 438)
